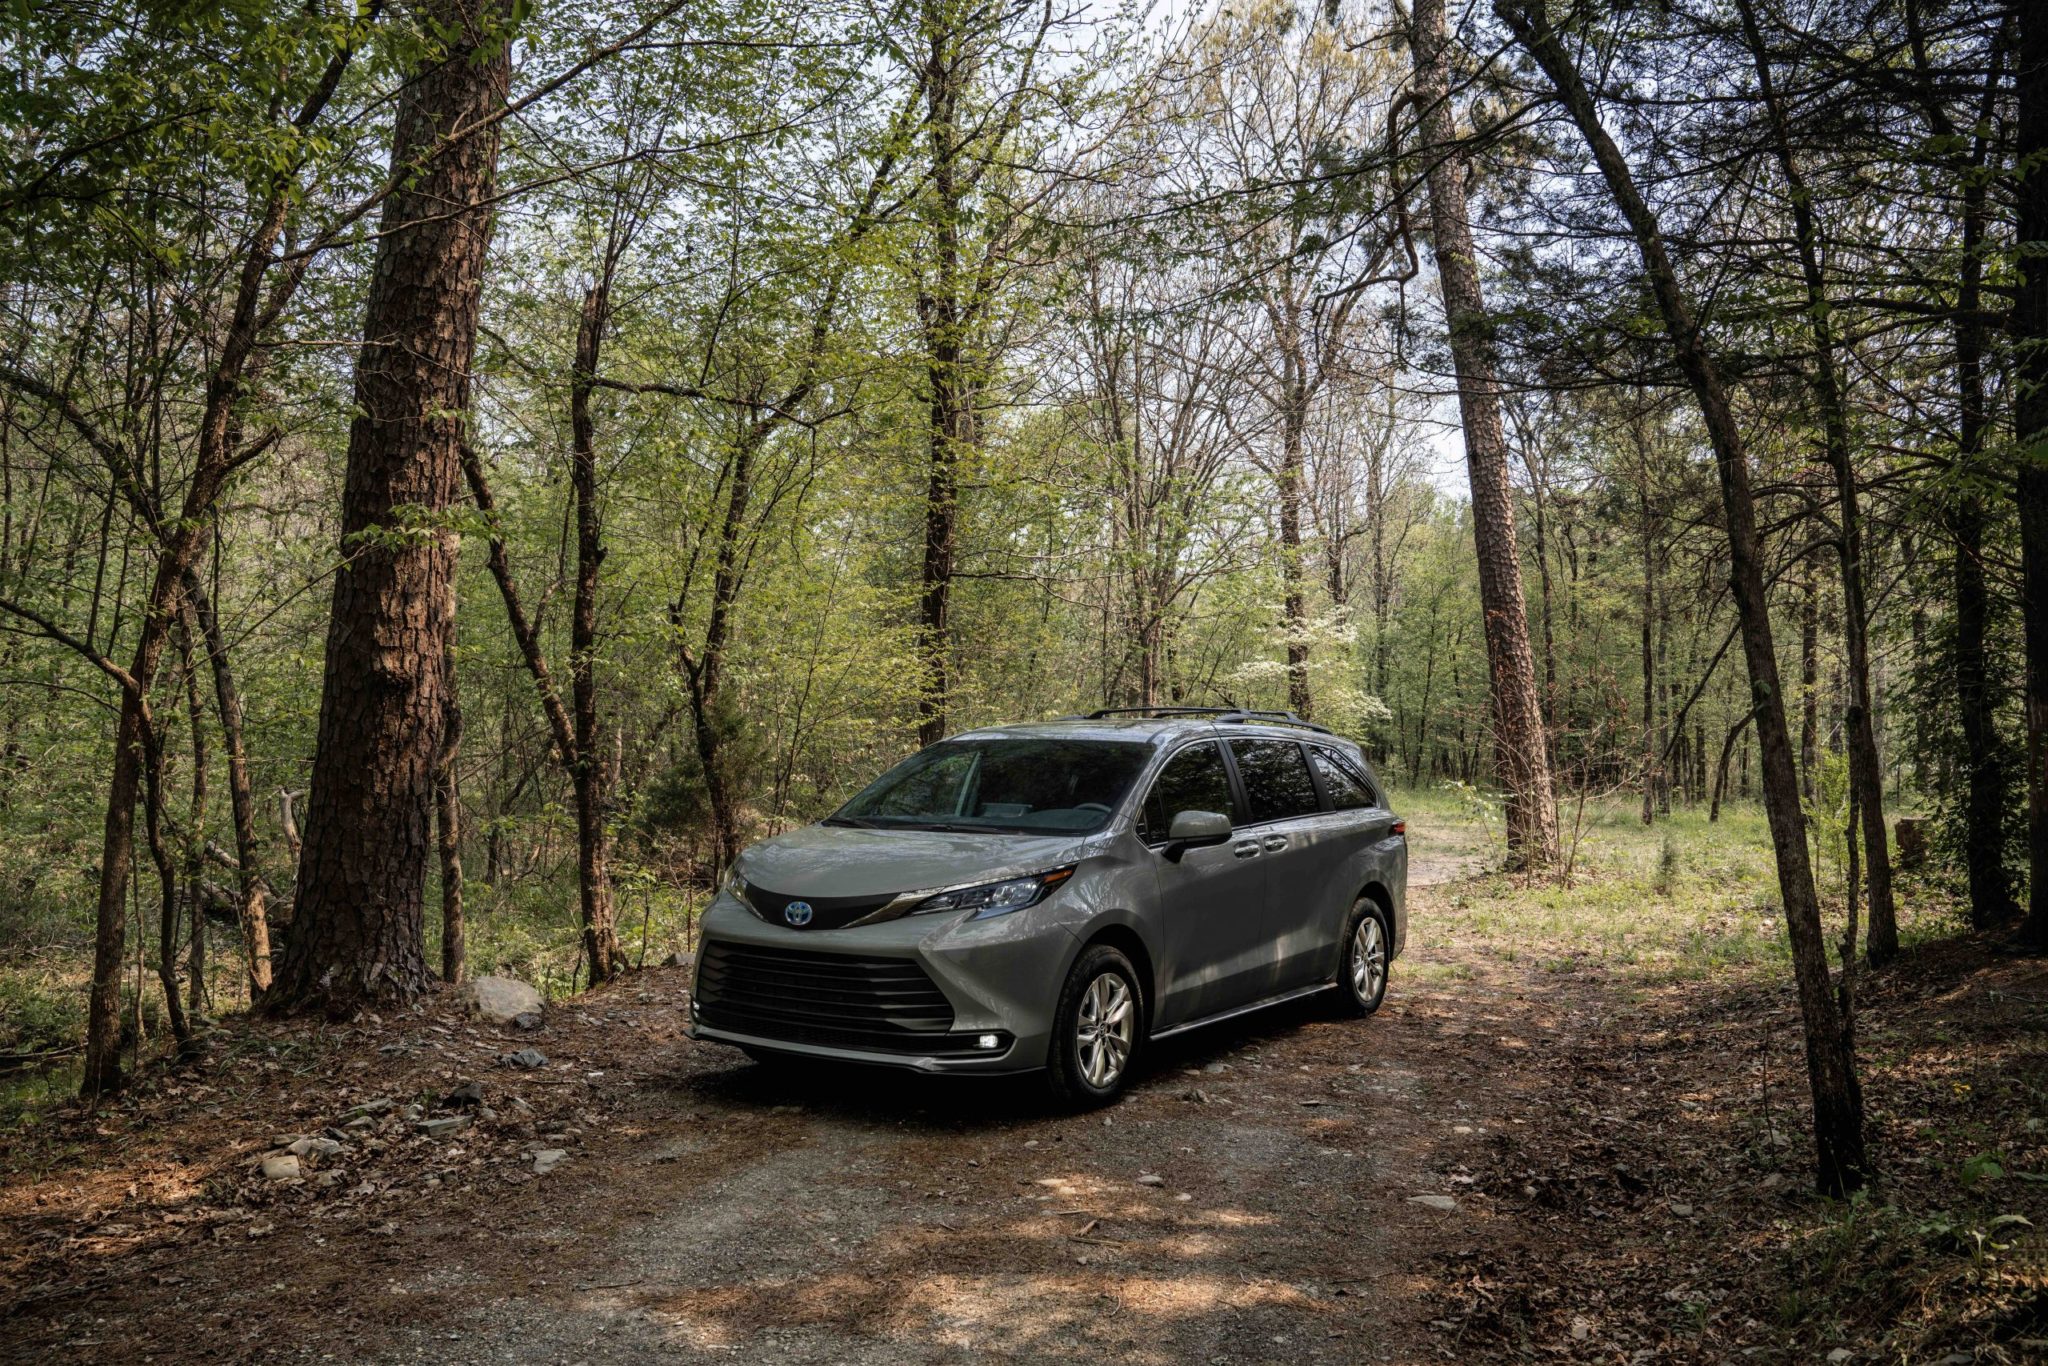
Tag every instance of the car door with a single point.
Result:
(1303, 854)
(1357, 822)
(1211, 900)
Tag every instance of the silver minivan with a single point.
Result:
(1054, 895)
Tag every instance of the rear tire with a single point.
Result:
(1096, 1030)
(1368, 953)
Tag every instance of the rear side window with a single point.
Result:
(1276, 781)
(1193, 780)
(1346, 789)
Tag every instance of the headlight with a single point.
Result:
(736, 886)
(995, 898)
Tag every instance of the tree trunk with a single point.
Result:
(1866, 770)
(1520, 745)
(1538, 477)
(1983, 759)
(253, 911)
(357, 929)
(1809, 681)
(195, 829)
(1650, 752)
(1840, 1161)
(1991, 896)
(705, 673)
(600, 934)
(1721, 769)
(448, 832)
(1293, 577)
(2030, 420)
(949, 402)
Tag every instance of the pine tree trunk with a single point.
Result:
(1866, 771)
(1521, 748)
(1991, 896)
(357, 928)
(1840, 1161)
(448, 837)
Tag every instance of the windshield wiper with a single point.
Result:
(856, 822)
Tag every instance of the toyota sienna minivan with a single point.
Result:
(1054, 895)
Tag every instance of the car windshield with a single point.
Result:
(1062, 787)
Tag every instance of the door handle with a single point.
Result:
(1246, 849)
(1275, 843)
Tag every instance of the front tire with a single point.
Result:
(1368, 951)
(1096, 1029)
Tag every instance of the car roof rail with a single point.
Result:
(1238, 714)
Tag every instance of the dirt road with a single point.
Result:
(1278, 1190)
(1514, 1157)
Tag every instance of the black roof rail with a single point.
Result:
(1278, 718)
(1238, 714)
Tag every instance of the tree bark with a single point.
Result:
(1991, 895)
(357, 929)
(1866, 770)
(1809, 681)
(2030, 420)
(195, 828)
(593, 839)
(1840, 1161)
(1651, 754)
(949, 400)
(253, 911)
(1521, 748)
(448, 832)
(1983, 760)
(1293, 576)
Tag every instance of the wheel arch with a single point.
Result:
(1127, 941)
(1378, 894)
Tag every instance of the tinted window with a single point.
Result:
(1193, 780)
(1059, 786)
(1346, 789)
(1276, 781)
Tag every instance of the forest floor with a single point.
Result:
(1575, 1132)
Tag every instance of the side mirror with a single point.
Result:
(1195, 830)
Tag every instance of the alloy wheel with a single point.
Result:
(1105, 1029)
(1368, 960)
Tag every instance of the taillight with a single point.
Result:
(1399, 828)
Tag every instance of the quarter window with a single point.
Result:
(1193, 780)
(1346, 790)
(1276, 779)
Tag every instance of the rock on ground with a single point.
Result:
(500, 1000)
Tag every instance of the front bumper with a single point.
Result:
(1000, 976)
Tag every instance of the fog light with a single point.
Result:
(989, 1041)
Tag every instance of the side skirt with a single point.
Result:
(1282, 999)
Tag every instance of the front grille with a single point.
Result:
(884, 1005)
(827, 912)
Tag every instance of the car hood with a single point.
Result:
(836, 860)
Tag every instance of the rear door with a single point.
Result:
(1211, 901)
(1303, 851)
(1357, 821)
